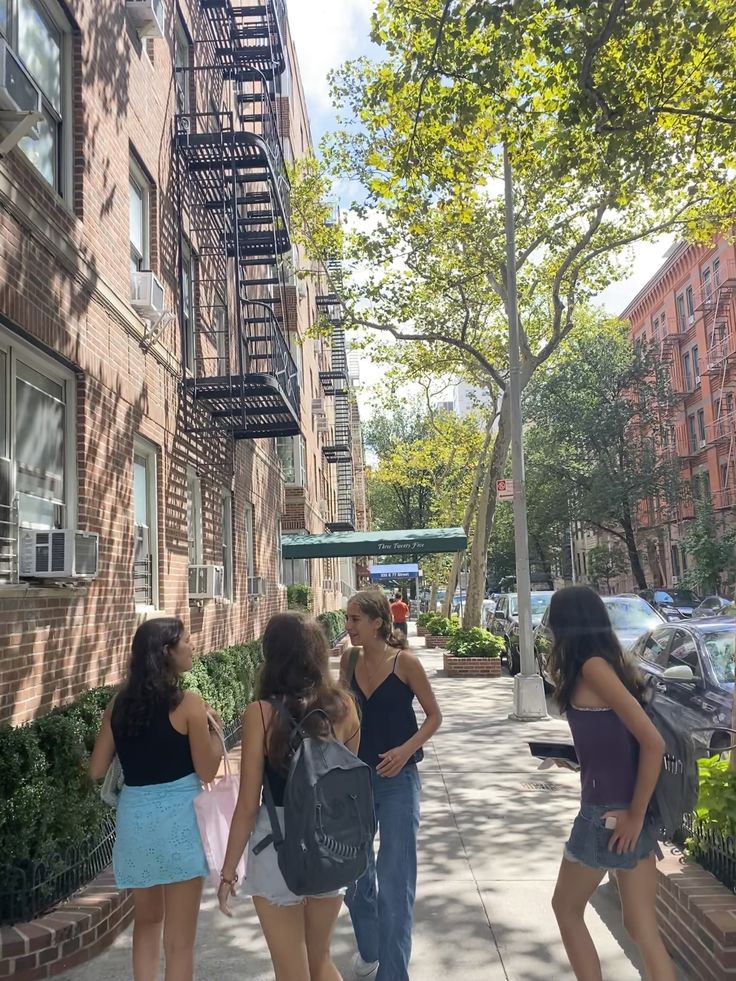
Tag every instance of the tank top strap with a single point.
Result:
(396, 661)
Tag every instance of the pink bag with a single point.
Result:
(214, 808)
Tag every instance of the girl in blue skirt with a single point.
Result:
(163, 740)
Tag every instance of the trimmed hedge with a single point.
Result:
(49, 802)
(475, 642)
(439, 626)
(334, 624)
(299, 597)
(423, 619)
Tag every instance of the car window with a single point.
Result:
(684, 651)
(631, 613)
(661, 597)
(721, 648)
(654, 646)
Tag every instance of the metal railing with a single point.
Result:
(267, 352)
(711, 848)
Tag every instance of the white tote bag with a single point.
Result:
(214, 808)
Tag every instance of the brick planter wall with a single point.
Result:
(472, 667)
(432, 641)
(421, 631)
(697, 917)
(72, 933)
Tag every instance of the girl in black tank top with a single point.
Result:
(386, 678)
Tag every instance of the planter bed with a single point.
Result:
(472, 667)
(433, 641)
(421, 631)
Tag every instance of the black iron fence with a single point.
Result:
(712, 849)
(28, 889)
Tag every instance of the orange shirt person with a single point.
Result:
(399, 614)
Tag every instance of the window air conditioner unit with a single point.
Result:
(691, 320)
(206, 581)
(318, 407)
(324, 509)
(146, 295)
(323, 425)
(256, 586)
(58, 553)
(147, 16)
(18, 91)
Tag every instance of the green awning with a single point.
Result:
(345, 543)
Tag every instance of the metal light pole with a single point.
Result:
(529, 700)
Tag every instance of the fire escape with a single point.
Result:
(335, 382)
(233, 206)
(720, 326)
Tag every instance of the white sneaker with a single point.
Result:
(363, 969)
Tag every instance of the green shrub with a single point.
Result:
(475, 642)
(334, 623)
(424, 618)
(439, 626)
(717, 798)
(299, 597)
(48, 801)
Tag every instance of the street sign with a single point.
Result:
(505, 490)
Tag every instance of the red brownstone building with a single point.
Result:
(163, 413)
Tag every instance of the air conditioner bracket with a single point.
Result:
(18, 125)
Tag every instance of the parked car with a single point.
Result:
(630, 615)
(667, 601)
(505, 623)
(713, 606)
(692, 667)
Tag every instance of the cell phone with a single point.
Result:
(555, 751)
(610, 823)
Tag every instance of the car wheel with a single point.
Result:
(514, 662)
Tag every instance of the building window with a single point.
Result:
(686, 372)
(40, 33)
(716, 273)
(701, 426)
(139, 221)
(220, 330)
(291, 451)
(675, 556)
(724, 476)
(188, 268)
(696, 366)
(691, 431)
(681, 321)
(279, 554)
(182, 64)
(690, 304)
(297, 572)
(250, 552)
(145, 532)
(655, 330)
(227, 543)
(707, 288)
(194, 517)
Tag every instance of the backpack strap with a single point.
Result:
(352, 662)
(276, 837)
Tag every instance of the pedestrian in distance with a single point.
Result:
(399, 614)
(385, 678)
(166, 745)
(296, 671)
(620, 753)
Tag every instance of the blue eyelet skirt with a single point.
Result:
(588, 841)
(157, 838)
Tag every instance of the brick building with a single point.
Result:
(160, 400)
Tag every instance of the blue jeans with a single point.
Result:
(381, 902)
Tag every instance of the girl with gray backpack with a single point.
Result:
(620, 751)
(305, 801)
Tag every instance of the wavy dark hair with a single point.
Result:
(581, 628)
(152, 679)
(373, 603)
(296, 670)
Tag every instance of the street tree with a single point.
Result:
(711, 549)
(420, 138)
(606, 562)
(602, 409)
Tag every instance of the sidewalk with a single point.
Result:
(490, 844)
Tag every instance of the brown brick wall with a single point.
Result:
(64, 287)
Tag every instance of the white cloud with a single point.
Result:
(647, 257)
(327, 33)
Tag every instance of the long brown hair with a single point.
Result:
(373, 603)
(581, 628)
(152, 680)
(296, 671)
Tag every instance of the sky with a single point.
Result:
(329, 32)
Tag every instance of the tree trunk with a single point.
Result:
(433, 598)
(486, 513)
(470, 512)
(733, 738)
(633, 550)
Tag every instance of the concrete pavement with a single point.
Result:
(493, 827)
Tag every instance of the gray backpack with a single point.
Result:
(329, 820)
(676, 793)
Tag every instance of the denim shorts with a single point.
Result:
(588, 841)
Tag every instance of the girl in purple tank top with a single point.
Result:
(620, 753)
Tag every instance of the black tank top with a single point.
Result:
(153, 755)
(387, 718)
